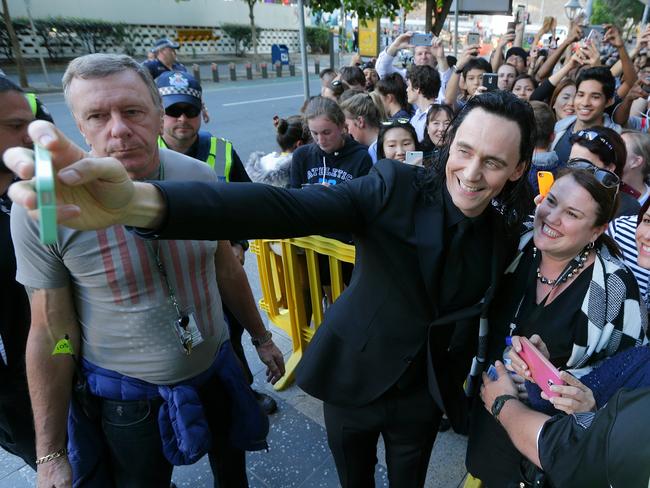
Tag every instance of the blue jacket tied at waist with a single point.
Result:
(183, 425)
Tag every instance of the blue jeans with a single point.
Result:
(131, 445)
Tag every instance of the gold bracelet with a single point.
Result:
(56, 454)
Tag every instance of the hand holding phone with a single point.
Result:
(490, 81)
(544, 181)
(414, 158)
(544, 374)
(421, 39)
(46, 195)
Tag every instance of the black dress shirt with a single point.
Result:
(467, 262)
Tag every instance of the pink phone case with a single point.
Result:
(541, 369)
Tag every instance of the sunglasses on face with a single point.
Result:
(190, 111)
(604, 176)
(591, 135)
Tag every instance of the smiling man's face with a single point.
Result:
(483, 157)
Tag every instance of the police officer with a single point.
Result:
(181, 95)
(39, 110)
(16, 423)
(165, 58)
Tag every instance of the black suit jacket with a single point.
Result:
(373, 332)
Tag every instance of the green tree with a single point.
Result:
(365, 9)
(241, 34)
(616, 11)
(318, 38)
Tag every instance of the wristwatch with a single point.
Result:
(498, 404)
(264, 339)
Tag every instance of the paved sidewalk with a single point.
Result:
(298, 455)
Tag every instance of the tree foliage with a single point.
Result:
(58, 33)
(241, 34)
(616, 11)
(318, 38)
(365, 9)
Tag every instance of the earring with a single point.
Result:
(591, 245)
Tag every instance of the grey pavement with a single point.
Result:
(298, 454)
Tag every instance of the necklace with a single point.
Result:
(569, 272)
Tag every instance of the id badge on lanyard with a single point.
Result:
(184, 325)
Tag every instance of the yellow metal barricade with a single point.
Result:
(292, 290)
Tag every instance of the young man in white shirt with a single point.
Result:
(422, 86)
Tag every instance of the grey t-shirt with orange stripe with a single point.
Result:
(121, 299)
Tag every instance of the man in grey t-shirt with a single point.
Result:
(149, 314)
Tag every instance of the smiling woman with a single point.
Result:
(566, 284)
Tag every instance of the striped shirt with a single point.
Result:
(121, 299)
(623, 230)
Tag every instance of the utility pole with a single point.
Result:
(303, 49)
(40, 53)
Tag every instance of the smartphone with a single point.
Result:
(544, 374)
(520, 16)
(492, 373)
(414, 158)
(544, 181)
(490, 81)
(473, 38)
(596, 38)
(46, 195)
(421, 39)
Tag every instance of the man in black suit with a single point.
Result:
(394, 349)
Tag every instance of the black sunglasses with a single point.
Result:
(592, 135)
(604, 176)
(190, 111)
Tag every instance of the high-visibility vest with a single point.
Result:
(33, 104)
(218, 157)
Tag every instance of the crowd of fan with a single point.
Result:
(577, 286)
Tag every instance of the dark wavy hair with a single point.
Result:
(602, 75)
(515, 200)
(393, 84)
(617, 155)
(427, 143)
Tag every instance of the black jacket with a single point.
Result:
(350, 162)
(377, 327)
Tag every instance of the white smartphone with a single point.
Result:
(414, 158)
(473, 38)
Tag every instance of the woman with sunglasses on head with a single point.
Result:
(605, 148)
(567, 285)
(396, 138)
